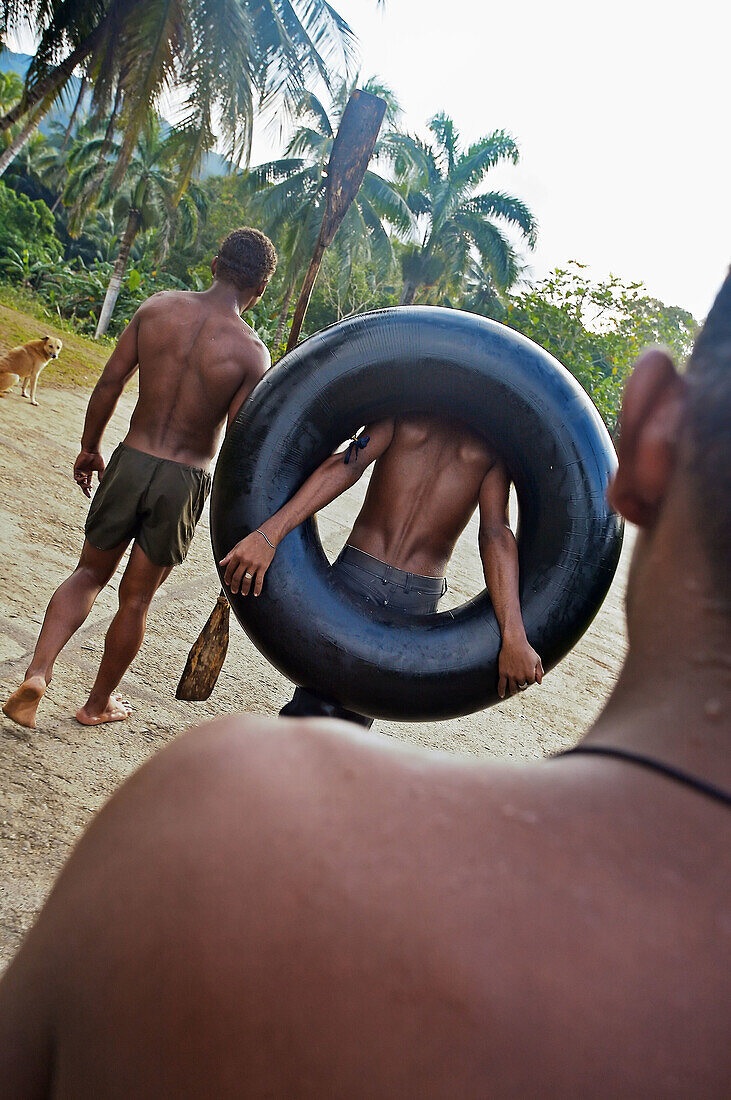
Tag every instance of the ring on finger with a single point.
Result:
(522, 687)
(248, 575)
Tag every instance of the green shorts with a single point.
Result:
(155, 501)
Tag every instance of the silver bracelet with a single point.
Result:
(258, 532)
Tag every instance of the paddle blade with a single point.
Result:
(206, 658)
(351, 151)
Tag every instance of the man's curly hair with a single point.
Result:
(246, 258)
(709, 415)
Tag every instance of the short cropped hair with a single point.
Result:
(708, 376)
(246, 258)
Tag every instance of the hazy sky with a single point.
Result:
(621, 112)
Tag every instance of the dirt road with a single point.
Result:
(54, 779)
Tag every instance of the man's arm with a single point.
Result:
(102, 403)
(258, 362)
(254, 554)
(519, 663)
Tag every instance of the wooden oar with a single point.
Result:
(351, 152)
(206, 658)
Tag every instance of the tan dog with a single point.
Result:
(26, 362)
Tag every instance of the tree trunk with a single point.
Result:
(408, 294)
(19, 141)
(54, 81)
(282, 322)
(110, 298)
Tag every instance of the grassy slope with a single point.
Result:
(81, 360)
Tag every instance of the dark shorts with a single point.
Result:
(155, 501)
(376, 583)
(387, 586)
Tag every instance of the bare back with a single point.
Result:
(294, 909)
(194, 358)
(423, 490)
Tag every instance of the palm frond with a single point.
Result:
(447, 135)
(388, 203)
(309, 105)
(380, 246)
(498, 204)
(482, 156)
(495, 250)
(150, 48)
(308, 142)
(261, 175)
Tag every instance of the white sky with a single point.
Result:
(621, 112)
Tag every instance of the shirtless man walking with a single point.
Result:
(429, 477)
(198, 361)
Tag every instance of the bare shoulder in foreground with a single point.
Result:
(299, 909)
(268, 907)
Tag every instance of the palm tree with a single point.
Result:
(11, 90)
(290, 196)
(147, 199)
(440, 182)
(226, 53)
(480, 294)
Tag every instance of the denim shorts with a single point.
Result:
(387, 586)
(376, 583)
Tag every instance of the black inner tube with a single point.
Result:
(422, 360)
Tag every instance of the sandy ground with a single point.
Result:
(52, 780)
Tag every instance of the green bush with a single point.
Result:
(28, 241)
(78, 292)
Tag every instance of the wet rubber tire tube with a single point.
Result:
(440, 362)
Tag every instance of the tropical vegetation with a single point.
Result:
(440, 180)
(104, 202)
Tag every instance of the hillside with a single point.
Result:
(81, 360)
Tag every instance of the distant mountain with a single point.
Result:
(213, 163)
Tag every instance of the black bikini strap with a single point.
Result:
(655, 765)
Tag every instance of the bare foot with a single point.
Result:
(23, 703)
(116, 710)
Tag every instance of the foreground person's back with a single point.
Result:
(298, 909)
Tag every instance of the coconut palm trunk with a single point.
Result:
(408, 294)
(21, 139)
(134, 221)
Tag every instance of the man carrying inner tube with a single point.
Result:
(429, 477)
